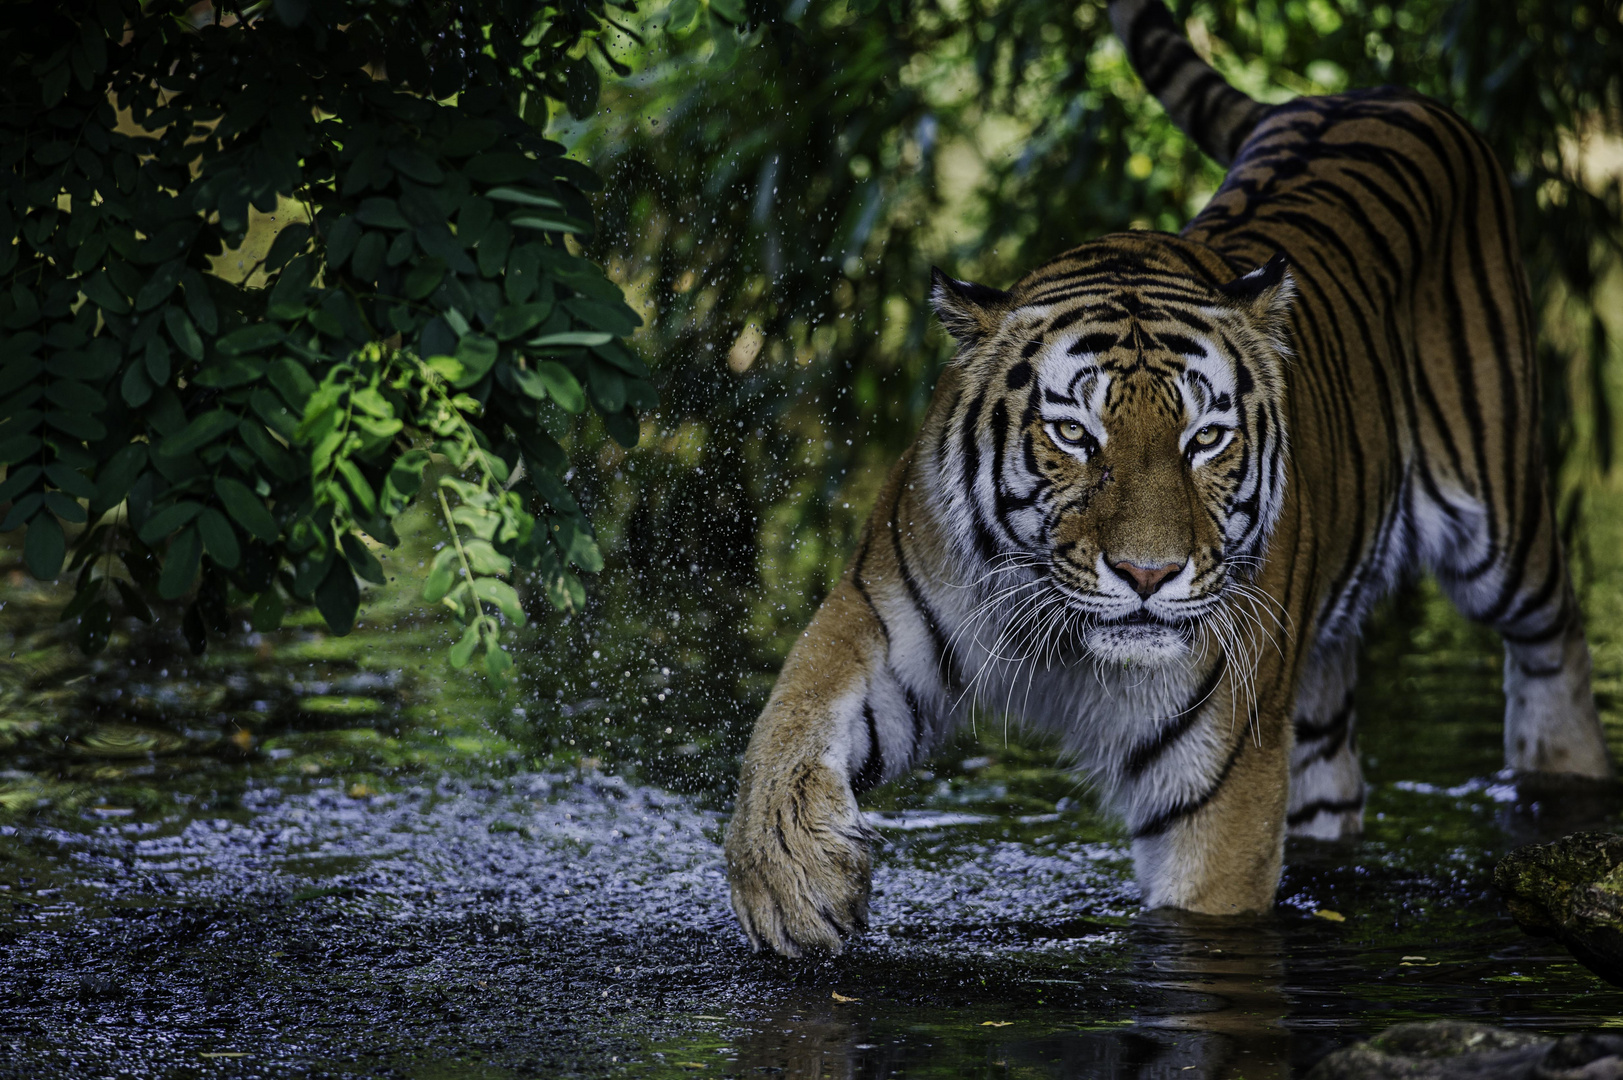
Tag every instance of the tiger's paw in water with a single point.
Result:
(799, 862)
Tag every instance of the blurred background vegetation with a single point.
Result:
(778, 180)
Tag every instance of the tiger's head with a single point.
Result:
(1119, 433)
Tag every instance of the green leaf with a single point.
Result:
(198, 434)
(568, 338)
(17, 448)
(469, 136)
(21, 510)
(578, 545)
(219, 538)
(104, 294)
(382, 214)
(95, 627)
(561, 385)
(497, 662)
(485, 559)
(194, 629)
(157, 360)
(499, 168)
(416, 164)
(75, 396)
(243, 505)
(518, 319)
(230, 371)
(287, 297)
(523, 198)
(44, 547)
(550, 224)
(268, 610)
(199, 302)
(135, 388)
(442, 575)
(291, 240)
(680, 16)
(114, 478)
(498, 592)
(623, 427)
(134, 604)
(424, 278)
(19, 479)
(251, 339)
(368, 260)
(406, 474)
(180, 565)
(158, 287)
(725, 40)
(65, 508)
(292, 381)
(608, 387)
(167, 520)
(338, 598)
(581, 85)
(183, 332)
(70, 480)
(341, 240)
(617, 319)
(462, 651)
(365, 500)
(477, 354)
(77, 425)
(361, 559)
(17, 372)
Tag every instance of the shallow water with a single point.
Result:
(576, 924)
(300, 856)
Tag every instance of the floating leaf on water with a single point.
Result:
(1332, 916)
(843, 1000)
(996, 1023)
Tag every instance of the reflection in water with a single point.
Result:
(1213, 1007)
(1220, 980)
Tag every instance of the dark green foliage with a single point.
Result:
(238, 436)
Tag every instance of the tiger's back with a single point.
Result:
(1158, 491)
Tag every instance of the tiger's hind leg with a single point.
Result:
(1517, 583)
(1327, 785)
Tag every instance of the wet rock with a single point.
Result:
(1571, 890)
(1452, 1050)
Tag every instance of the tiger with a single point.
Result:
(1157, 490)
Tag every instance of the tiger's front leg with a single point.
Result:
(798, 850)
(1208, 823)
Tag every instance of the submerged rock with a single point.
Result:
(1451, 1050)
(1571, 890)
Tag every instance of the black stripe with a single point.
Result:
(1323, 806)
(1163, 821)
(873, 766)
(862, 588)
(920, 727)
(1146, 752)
(946, 662)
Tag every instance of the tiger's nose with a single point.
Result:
(1146, 579)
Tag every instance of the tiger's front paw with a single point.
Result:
(798, 861)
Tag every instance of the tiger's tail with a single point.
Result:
(1203, 105)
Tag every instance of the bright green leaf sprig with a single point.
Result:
(203, 440)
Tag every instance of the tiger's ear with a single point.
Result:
(1265, 293)
(968, 311)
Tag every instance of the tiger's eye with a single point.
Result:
(1208, 436)
(1071, 431)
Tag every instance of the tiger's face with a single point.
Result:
(1120, 434)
